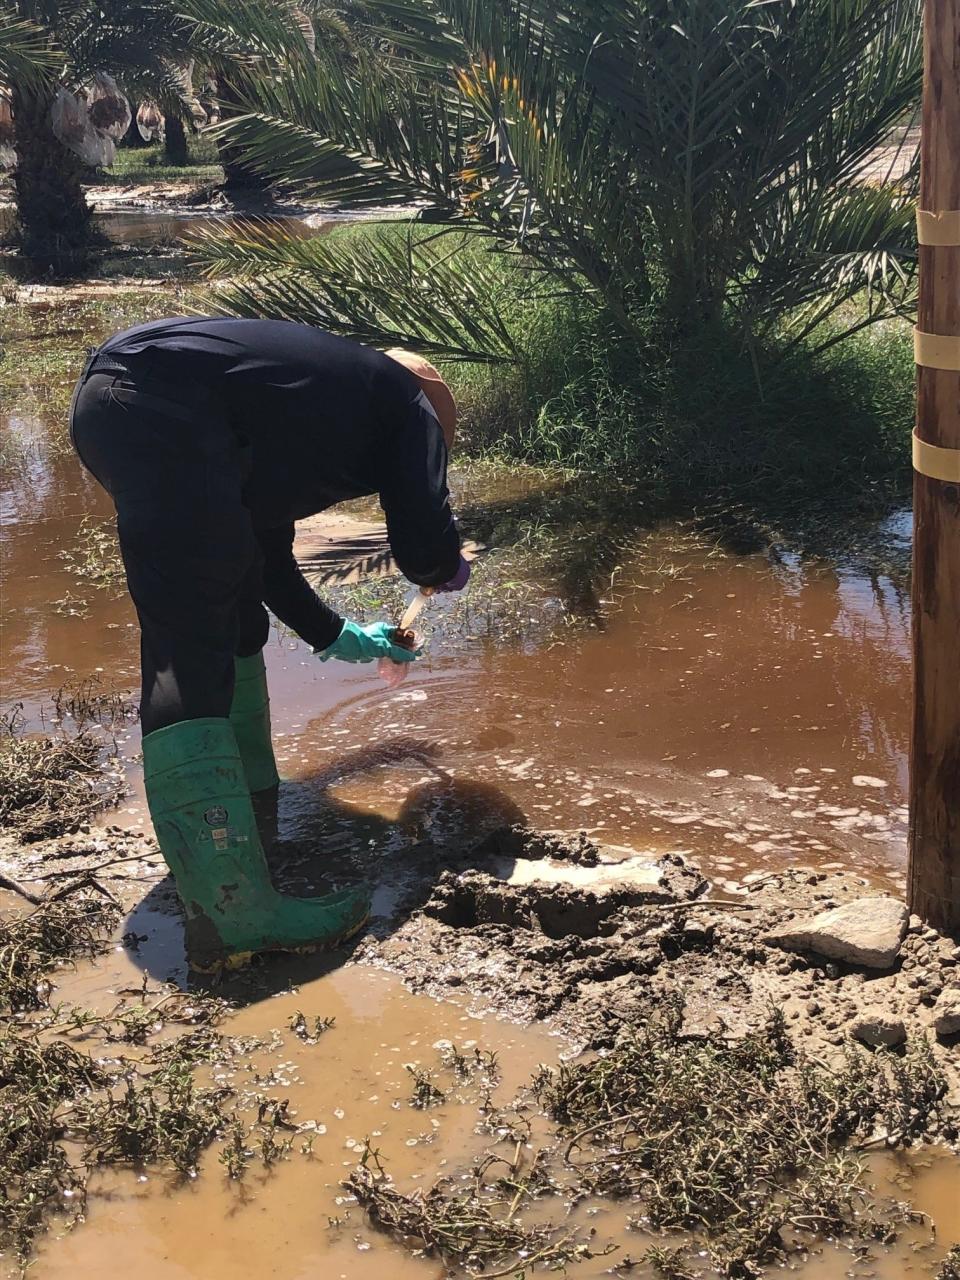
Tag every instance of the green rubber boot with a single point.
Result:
(205, 826)
(250, 717)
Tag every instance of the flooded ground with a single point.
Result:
(354, 1084)
(748, 711)
(146, 227)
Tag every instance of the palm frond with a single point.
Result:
(27, 53)
(357, 136)
(399, 287)
(245, 33)
(121, 36)
(826, 248)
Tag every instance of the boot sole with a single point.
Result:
(236, 960)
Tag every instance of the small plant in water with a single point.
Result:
(88, 702)
(310, 1030)
(95, 555)
(668, 1264)
(235, 1155)
(425, 1092)
(480, 1061)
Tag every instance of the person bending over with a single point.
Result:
(213, 437)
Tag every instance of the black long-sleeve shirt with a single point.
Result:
(323, 420)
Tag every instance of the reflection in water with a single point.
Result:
(152, 226)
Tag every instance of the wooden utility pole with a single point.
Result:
(934, 871)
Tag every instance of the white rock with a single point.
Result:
(946, 1012)
(865, 780)
(875, 1027)
(866, 931)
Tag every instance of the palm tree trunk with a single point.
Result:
(175, 139)
(53, 224)
(236, 175)
(133, 138)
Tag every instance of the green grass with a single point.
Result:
(149, 164)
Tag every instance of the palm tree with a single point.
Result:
(687, 163)
(78, 38)
(61, 45)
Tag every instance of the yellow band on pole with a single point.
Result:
(939, 228)
(939, 464)
(936, 350)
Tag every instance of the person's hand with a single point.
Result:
(459, 579)
(367, 644)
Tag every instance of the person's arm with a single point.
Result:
(287, 593)
(422, 532)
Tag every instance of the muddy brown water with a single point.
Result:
(747, 711)
(296, 1220)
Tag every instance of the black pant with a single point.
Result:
(174, 468)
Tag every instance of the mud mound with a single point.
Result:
(519, 841)
(599, 962)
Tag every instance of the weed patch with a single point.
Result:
(741, 1142)
(64, 1112)
(55, 1099)
(37, 1081)
(51, 784)
(743, 1145)
(54, 933)
(166, 1118)
(474, 1229)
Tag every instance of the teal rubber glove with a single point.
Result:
(367, 644)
